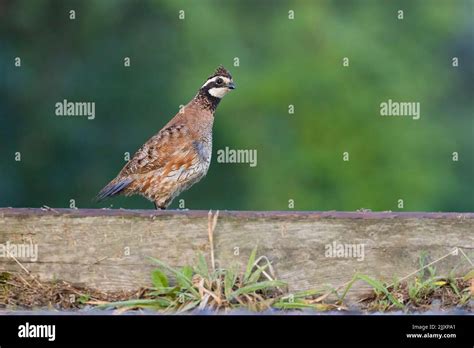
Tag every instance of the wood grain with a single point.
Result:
(108, 249)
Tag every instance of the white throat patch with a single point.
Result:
(219, 92)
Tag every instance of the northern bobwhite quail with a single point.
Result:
(179, 155)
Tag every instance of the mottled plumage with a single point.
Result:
(179, 155)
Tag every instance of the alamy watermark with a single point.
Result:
(394, 108)
(67, 108)
(228, 155)
(345, 251)
(24, 251)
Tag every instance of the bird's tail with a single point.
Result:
(113, 188)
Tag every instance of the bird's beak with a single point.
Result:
(231, 85)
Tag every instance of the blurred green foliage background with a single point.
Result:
(282, 62)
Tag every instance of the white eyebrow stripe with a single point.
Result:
(209, 81)
(226, 80)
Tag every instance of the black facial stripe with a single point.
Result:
(213, 84)
(218, 77)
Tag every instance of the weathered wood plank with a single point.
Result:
(108, 249)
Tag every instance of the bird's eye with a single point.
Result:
(219, 81)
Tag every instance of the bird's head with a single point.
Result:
(218, 84)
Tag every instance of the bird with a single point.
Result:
(179, 155)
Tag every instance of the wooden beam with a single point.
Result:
(108, 249)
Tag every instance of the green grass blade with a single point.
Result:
(187, 277)
(180, 277)
(348, 287)
(159, 279)
(455, 288)
(202, 268)
(250, 263)
(170, 290)
(469, 275)
(156, 302)
(255, 276)
(165, 266)
(380, 287)
(229, 281)
(308, 293)
(189, 306)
